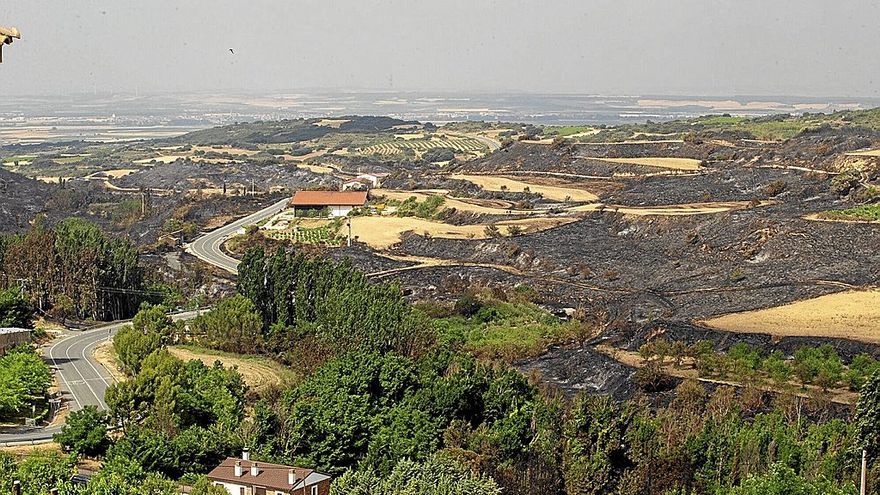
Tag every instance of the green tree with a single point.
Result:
(85, 432)
(76, 266)
(867, 417)
(132, 347)
(204, 486)
(234, 325)
(38, 472)
(439, 475)
(121, 476)
(152, 319)
(24, 380)
(15, 310)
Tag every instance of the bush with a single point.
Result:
(467, 305)
(651, 379)
(844, 183)
(438, 155)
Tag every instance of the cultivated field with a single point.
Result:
(850, 315)
(865, 153)
(689, 164)
(670, 210)
(318, 169)
(173, 158)
(554, 193)
(487, 206)
(384, 232)
(420, 145)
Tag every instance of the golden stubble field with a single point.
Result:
(382, 232)
(554, 193)
(686, 164)
(851, 314)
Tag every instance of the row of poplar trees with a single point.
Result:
(331, 301)
(73, 270)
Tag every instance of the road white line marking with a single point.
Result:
(75, 367)
(60, 373)
(100, 377)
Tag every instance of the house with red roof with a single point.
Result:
(242, 476)
(327, 203)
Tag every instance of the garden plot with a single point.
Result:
(285, 226)
(851, 315)
(553, 193)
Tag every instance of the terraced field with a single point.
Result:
(420, 145)
(554, 193)
(689, 164)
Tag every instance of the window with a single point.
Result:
(315, 490)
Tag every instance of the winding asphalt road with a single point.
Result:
(83, 380)
(207, 247)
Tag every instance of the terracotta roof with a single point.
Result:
(272, 476)
(328, 198)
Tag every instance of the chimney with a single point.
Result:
(237, 469)
(254, 469)
(245, 454)
(291, 477)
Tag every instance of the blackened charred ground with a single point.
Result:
(669, 272)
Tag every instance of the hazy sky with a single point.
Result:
(691, 47)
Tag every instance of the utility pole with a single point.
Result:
(864, 488)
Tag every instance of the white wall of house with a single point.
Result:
(370, 177)
(233, 489)
(340, 211)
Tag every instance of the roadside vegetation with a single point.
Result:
(24, 382)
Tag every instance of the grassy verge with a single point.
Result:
(258, 372)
